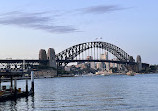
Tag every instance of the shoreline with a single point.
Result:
(43, 77)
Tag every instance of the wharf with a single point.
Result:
(13, 96)
(13, 92)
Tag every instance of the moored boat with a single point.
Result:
(104, 73)
(130, 73)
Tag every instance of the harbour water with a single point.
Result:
(86, 93)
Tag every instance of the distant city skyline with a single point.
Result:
(28, 26)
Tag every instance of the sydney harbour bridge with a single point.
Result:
(76, 53)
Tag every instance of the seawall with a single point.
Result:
(45, 73)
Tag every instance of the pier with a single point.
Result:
(12, 93)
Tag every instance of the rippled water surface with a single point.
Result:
(102, 93)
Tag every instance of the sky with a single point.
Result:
(26, 26)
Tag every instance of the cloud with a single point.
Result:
(39, 20)
(100, 9)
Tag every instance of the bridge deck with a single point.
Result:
(21, 61)
(66, 61)
(111, 61)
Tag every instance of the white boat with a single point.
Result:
(103, 73)
(130, 73)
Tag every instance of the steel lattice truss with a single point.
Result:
(74, 51)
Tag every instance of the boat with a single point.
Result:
(103, 73)
(130, 73)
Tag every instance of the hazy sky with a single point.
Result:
(26, 26)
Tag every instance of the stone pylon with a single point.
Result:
(42, 56)
(51, 58)
(139, 63)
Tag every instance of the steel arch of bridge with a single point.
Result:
(72, 52)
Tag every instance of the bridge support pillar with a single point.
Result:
(42, 56)
(15, 87)
(27, 86)
(0, 84)
(139, 63)
(32, 82)
(51, 58)
(11, 82)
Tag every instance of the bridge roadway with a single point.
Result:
(63, 61)
(21, 61)
(111, 61)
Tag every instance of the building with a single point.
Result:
(99, 66)
(92, 64)
(106, 64)
(89, 58)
